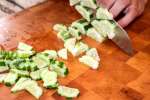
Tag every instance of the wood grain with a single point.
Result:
(119, 76)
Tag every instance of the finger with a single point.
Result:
(128, 18)
(118, 7)
(106, 3)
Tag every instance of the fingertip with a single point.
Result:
(128, 18)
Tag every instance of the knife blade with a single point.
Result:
(121, 37)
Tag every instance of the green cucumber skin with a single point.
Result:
(53, 86)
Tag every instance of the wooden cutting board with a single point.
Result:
(117, 72)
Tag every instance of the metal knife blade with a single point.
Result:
(121, 37)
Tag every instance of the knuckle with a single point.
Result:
(135, 10)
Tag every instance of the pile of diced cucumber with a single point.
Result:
(21, 69)
(97, 23)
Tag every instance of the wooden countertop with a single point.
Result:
(120, 76)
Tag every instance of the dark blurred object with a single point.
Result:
(15, 3)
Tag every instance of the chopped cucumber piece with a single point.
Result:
(16, 62)
(2, 63)
(60, 27)
(75, 33)
(68, 92)
(24, 54)
(24, 47)
(103, 13)
(27, 66)
(43, 69)
(74, 2)
(60, 68)
(79, 48)
(7, 55)
(104, 26)
(4, 69)
(80, 25)
(70, 44)
(63, 53)
(35, 75)
(3, 66)
(75, 48)
(49, 78)
(92, 33)
(33, 66)
(2, 77)
(33, 88)
(20, 73)
(10, 79)
(93, 53)
(85, 12)
(20, 84)
(41, 61)
(89, 3)
(89, 61)
(52, 54)
(64, 35)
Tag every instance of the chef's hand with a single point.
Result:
(131, 8)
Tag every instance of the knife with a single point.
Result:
(15, 3)
(121, 38)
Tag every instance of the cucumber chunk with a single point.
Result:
(79, 48)
(3, 69)
(89, 61)
(2, 77)
(80, 25)
(52, 54)
(20, 73)
(41, 61)
(3, 66)
(89, 3)
(10, 79)
(70, 44)
(59, 27)
(68, 92)
(33, 88)
(49, 78)
(35, 75)
(60, 68)
(24, 54)
(75, 48)
(2, 63)
(19, 85)
(75, 33)
(104, 26)
(92, 33)
(7, 55)
(74, 2)
(24, 47)
(63, 53)
(64, 35)
(85, 12)
(16, 62)
(93, 53)
(103, 13)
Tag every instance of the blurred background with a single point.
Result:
(8, 7)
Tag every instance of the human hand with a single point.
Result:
(131, 8)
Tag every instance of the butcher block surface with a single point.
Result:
(120, 77)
